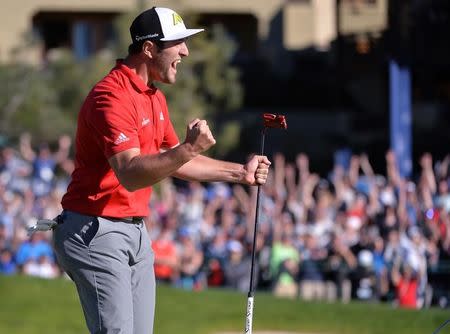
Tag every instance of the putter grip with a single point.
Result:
(249, 317)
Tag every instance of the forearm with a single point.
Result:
(136, 171)
(366, 167)
(279, 169)
(354, 171)
(393, 174)
(430, 180)
(145, 170)
(206, 169)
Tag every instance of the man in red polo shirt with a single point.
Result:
(125, 143)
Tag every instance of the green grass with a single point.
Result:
(29, 306)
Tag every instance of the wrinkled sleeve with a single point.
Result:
(114, 121)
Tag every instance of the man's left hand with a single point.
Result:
(257, 170)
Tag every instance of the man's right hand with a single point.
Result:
(199, 136)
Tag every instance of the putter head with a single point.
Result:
(274, 121)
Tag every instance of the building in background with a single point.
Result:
(85, 25)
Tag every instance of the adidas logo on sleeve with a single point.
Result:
(121, 139)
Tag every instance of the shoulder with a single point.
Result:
(115, 85)
(112, 92)
(107, 105)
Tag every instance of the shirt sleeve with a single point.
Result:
(114, 120)
(170, 137)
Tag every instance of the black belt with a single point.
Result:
(129, 220)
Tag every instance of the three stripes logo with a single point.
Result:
(121, 139)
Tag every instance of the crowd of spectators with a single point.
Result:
(352, 234)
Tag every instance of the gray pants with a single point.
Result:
(111, 263)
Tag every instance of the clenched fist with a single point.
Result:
(257, 170)
(199, 136)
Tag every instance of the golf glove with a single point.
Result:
(42, 225)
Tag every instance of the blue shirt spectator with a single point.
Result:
(7, 265)
(33, 249)
(43, 171)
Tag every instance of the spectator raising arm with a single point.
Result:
(393, 173)
(353, 172)
(427, 178)
(442, 172)
(64, 144)
(366, 166)
(302, 163)
(279, 170)
(25, 147)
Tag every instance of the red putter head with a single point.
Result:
(274, 121)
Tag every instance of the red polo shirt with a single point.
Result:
(121, 112)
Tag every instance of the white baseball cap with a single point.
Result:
(161, 24)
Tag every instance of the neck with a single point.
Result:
(138, 66)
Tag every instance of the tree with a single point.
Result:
(44, 101)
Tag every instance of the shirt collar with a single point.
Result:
(135, 79)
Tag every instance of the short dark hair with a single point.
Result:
(135, 48)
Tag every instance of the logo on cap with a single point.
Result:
(140, 38)
(176, 19)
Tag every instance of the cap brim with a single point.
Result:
(181, 35)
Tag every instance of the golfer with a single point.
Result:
(125, 143)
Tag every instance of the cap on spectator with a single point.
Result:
(363, 187)
(433, 214)
(234, 246)
(387, 198)
(365, 258)
(354, 222)
(161, 24)
(184, 232)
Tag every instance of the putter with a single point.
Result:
(271, 121)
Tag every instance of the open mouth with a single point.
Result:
(175, 63)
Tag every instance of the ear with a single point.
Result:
(149, 48)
